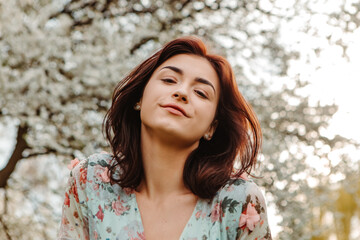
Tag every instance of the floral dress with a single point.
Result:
(96, 209)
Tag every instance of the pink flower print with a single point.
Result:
(230, 188)
(104, 175)
(96, 187)
(67, 200)
(100, 214)
(141, 236)
(118, 207)
(198, 214)
(64, 220)
(83, 175)
(249, 218)
(73, 190)
(101, 173)
(216, 213)
(95, 235)
(73, 163)
(76, 214)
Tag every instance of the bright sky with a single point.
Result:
(338, 79)
(333, 77)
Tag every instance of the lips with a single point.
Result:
(177, 108)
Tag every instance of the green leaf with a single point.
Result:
(103, 163)
(233, 205)
(229, 204)
(238, 182)
(110, 189)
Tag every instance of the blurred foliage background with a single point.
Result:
(60, 60)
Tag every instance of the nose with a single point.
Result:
(180, 96)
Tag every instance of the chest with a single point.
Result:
(166, 220)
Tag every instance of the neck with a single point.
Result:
(163, 166)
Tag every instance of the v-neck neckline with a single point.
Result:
(139, 219)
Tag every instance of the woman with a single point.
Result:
(176, 127)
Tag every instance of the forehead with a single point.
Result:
(193, 66)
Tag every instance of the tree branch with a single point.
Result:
(142, 42)
(36, 154)
(21, 145)
(6, 229)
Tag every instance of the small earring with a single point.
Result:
(207, 136)
(137, 107)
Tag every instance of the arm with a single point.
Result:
(253, 223)
(74, 222)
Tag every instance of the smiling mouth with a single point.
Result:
(175, 110)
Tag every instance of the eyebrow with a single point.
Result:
(198, 79)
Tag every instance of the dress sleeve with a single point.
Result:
(74, 221)
(253, 223)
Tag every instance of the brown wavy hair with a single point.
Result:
(210, 166)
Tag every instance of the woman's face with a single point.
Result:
(179, 102)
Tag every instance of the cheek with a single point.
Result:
(152, 91)
(206, 115)
(148, 97)
(208, 109)
(150, 104)
(146, 93)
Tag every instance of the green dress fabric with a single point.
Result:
(96, 209)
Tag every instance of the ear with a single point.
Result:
(212, 128)
(137, 105)
(140, 101)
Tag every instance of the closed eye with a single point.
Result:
(168, 80)
(203, 95)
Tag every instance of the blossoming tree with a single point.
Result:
(60, 60)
